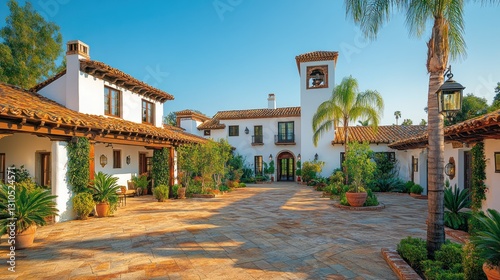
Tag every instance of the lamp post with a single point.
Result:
(449, 96)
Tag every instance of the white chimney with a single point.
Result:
(271, 101)
(76, 50)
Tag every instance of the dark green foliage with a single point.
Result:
(407, 186)
(478, 176)
(236, 164)
(413, 251)
(29, 46)
(448, 263)
(472, 263)
(20, 174)
(371, 199)
(310, 170)
(454, 201)
(79, 164)
(388, 185)
(31, 208)
(487, 240)
(416, 189)
(175, 188)
(160, 171)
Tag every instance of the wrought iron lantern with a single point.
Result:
(103, 160)
(450, 96)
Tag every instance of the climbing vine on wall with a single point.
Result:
(478, 176)
(160, 171)
(79, 164)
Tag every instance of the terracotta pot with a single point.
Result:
(491, 271)
(356, 199)
(25, 239)
(102, 209)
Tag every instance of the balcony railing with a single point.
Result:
(257, 140)
(284, 139)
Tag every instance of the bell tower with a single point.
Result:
(317, 80)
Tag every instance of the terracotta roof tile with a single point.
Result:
(214, 123)
(316, 56)
(258, 113)
(19, 103)
(114, 76)
(484, 126)
(211, 124)
(385, 134)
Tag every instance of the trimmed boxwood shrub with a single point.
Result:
(413, 251)
(83, 204)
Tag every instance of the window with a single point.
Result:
(234, 130)
(286, 132)
(206, 132)
(414, 164)
(148, 112)
(388, 155)
(497, 162)
(342, 159)
(112, 102)
(257, 134)
(258, 166)
(2, 168)
(117, 159)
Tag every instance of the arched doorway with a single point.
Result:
(286, 167)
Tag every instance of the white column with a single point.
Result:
(176, 181)
(59, 181)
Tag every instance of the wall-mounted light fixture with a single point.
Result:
(298, 157)
(103, 160)
(270, 157)
(316, 156)
(127, 159)
(247, 130)
(449, 168)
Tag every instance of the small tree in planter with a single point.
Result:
(298, 172)
(141, 183)
(270, 170)
(360, 167)
(161, 193)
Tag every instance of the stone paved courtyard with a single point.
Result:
(270, 231)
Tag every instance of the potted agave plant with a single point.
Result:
(32, 207)
(105, 189)
(360, 169)
(487, 242)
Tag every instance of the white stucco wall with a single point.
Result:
(310, 99)
(59, 180)
(191, 126)
(243, 142)
(21, 149)
(126, 171)
(56, 90)
(492, 178)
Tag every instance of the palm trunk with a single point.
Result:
(346, 130)
(436, 64)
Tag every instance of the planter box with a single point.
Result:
(418, 196)
(198, 195)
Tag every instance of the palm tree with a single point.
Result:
(347, 105)
(446, 40)
(397, 114)
(364, 123)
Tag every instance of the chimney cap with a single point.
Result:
(78, 47)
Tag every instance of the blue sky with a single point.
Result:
(230, 54)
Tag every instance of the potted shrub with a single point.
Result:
(105, 189)
(83, 204)
(487, 242)
(181, 192)
(141, 182)
(360, 169)
(416, 190)
(31, 210)
(161, 193)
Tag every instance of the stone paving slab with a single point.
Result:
(271, 231)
